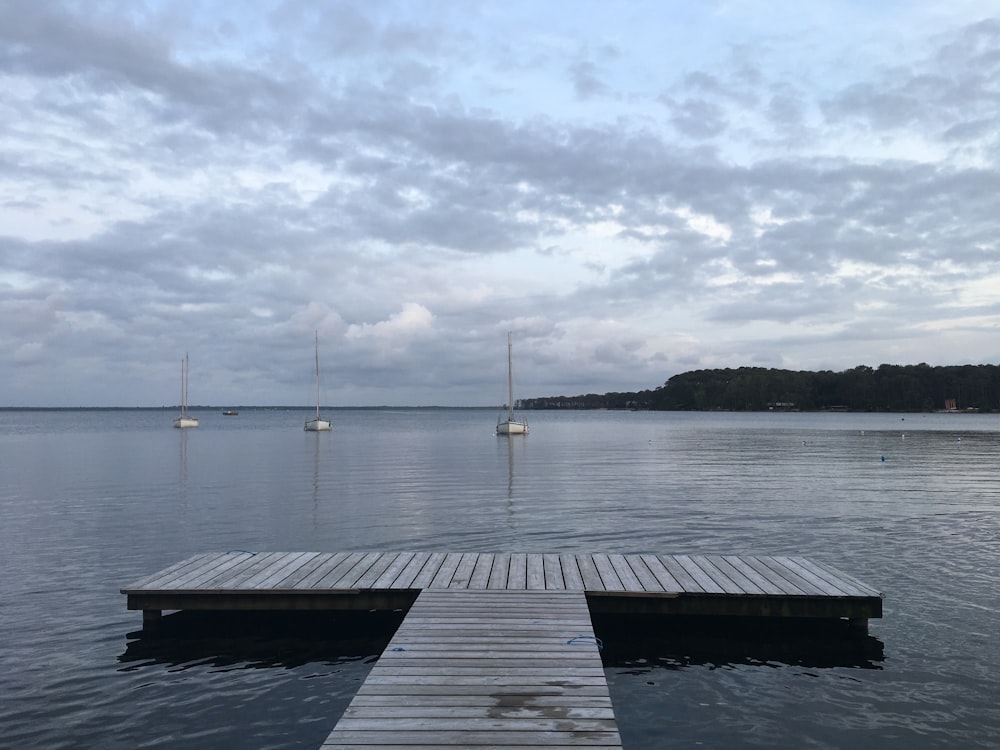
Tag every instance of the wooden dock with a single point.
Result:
(485, 668)
(765, 586)
(497, 650)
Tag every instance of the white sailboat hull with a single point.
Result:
(183, 422)
(512, 427)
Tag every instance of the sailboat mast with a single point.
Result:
(510, 381)
(317, 374)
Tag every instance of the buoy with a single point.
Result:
(883, 459)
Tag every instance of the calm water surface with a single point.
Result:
(92, 500)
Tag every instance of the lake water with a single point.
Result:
(93, 500)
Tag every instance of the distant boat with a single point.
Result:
(318, 424)
(184, 420)
(230, 413)
(510, 425)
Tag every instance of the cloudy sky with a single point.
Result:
(635, 189)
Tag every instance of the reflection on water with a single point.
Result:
(643, 645)
(260, 639)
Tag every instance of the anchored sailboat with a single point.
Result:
(318, 424)
(185, 420)
(511, 425)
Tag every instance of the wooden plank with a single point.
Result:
(535, 572)
(572, 579)
(292, 580)
(480, 577)
(702, 578)
(609, 576)
(820, 585)
(409, 573)
(235, 576)
(662, 575)
(430, 569)
(647, 582)
(517, 576)
(688, 584)
(629, 580)
(760, 582)
(154, 580)
(552, 569)
(499, 572)
(728, 585)
(288, 567)
(463, 573)
(588, 573)
(337, 572)
(461, 710)
(348, 580)
(845, 583)
(442, 579)
(324, 569)
(195, 578)
(786, 587)
(377, 569)
(393, 571)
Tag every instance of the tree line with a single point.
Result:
(890, 388)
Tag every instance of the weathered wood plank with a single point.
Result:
(234, 577)
(707, 583)
(464, 571)
(426, 575)
(157, 579)
(393, 571)
(517, 576)
(375, 570)
(842, 581)
(720, 576)
(480, 578)
(409, 573)
(552, 570)
(588, 573)
(535, 572)
(442, 579)
(688, 584)
(663, 577)
(500, 571)
(645, 580)
(820, 584)
(761, 582)
(348, 580)
(786, 587)
(572, 578)
(209, 570)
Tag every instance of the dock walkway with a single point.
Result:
(485, 669)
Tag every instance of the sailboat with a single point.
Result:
(318, 424)
(185, 420)
(511, 425)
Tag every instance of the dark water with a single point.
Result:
(91, 501)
